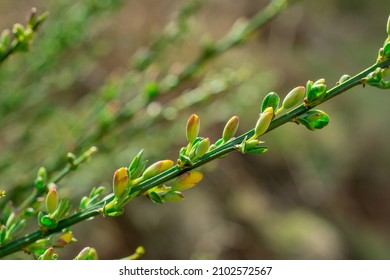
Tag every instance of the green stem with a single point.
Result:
(175, 171)
(15, 44)
(65, 171)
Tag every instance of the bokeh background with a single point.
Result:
(314, 195)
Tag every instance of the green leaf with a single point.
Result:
(316, 93)
(184, 161)
(257, 150)
(219, 142)
(314, 119)
(309, 85)
(84, 202)
(114, 213)
(48, 222)
(155, 197)
(272, 99)
(135, 162)
(139, 170)
(173, 196)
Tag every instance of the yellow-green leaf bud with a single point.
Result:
(294, 97)
(192, 128)
(187, 180)
(48, 255)
(263, 122)
(157, 168)
(41, 179)
(202, 147)
(343, 79)
(5, 39)
(63, 238)
(70, 158)
(120, 181)
(83, 255)
(93, 255)
(319, 82)
(42, 173)
(51, 201)
(18, 29)
(230, 128)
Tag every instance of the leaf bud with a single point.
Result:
(187, 180)
(157, 168)
(5, 39)
(309, 85)
(83, 255)
(251, 146)
(294, 97)
(316, 93)
(314, 119)
(93, 255)
(319, 82)
(120, 181)
(18, 30)
(343, 79)
(202, 147)
(32, 17)
(192, 128)
(48, 255)
(63, 238)
(51, 202)
(41, 179)
(263, 122)
(230, 128)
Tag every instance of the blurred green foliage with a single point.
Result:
(319, 195)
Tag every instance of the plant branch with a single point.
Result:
(65, 171)
(175, 171)
(34, 23)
